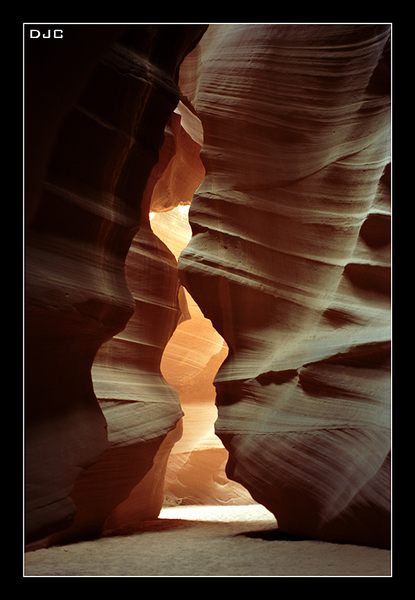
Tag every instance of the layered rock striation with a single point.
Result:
(96, 107)
(290, 260)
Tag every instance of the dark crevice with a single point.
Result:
(371, 278)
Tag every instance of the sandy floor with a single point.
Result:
(207, 541)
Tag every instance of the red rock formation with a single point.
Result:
(179, 170)
(125, 486)
(191, 359)
(96, 110)
(289, 260)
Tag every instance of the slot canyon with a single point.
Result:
(207, 300)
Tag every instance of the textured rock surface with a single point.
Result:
(100, 101)
(139, 407)
(290, 261)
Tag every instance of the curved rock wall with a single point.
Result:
(290, 260)
(196, 468)
(96, 108)
(139, 407)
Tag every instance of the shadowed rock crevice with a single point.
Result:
(96, 109)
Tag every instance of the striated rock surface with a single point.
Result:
(139, 407)
(106, 97)
(289, 259)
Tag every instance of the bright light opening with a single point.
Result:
(196, 468)
(183, 209)
(219, 513)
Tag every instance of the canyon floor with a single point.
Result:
(208, 541)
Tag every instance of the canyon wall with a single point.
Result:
(290, 260)
(97, 104)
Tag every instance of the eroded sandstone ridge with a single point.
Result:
(96, 108)
(290, 260)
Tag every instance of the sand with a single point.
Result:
(208, 541)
